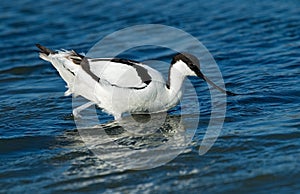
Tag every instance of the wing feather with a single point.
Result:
(119, 72)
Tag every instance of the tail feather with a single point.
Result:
(65, 62)
(45, 50)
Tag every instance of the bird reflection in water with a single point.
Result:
(138, 141)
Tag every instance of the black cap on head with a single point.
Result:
(187, 58)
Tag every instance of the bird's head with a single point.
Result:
(187, 63)
(190, 66)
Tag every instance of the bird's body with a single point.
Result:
(123, 86)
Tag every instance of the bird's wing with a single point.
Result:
(117, 72)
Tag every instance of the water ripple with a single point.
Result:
(256, 45)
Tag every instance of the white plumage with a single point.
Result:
(123, 86)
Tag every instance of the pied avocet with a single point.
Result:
(123, 86)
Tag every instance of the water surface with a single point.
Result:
(256, 45)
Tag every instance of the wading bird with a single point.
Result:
(123, 86)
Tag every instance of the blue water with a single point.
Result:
(256, 45)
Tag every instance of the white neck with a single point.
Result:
(175, 81)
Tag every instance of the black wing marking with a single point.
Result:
(141, 71)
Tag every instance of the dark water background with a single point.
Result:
(256, 45)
